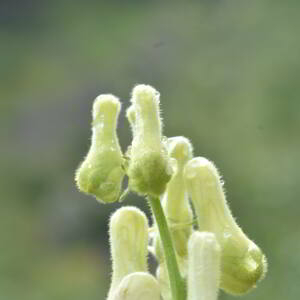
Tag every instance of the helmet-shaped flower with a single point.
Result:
(149, 169)
(101, 173)
(242, 262)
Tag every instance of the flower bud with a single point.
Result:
(242, 262)
(175, 199)
(137, 286)
(203, 266)
(128, 240)
(101, 173)
(149, 170)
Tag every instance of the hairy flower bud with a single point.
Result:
(242, 262)
(175, 199)
(137, 286)
(149, 170)
(203, 266)
(128, 241)
(101, 173)
(178, 212)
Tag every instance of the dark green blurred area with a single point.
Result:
(228, 74)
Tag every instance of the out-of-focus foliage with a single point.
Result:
(228, 73)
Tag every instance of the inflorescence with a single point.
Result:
(199, 250)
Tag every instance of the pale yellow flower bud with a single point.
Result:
(175, 199)
(101, 173)
(137, 286)
(178, 212)
(149, 170)
(128, 240)
(203, 266)
(242, 262)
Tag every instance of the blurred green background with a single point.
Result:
(228, 74)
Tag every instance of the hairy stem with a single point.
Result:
(177, 283)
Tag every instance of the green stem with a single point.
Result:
(177, 283)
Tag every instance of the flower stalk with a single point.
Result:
(177, 283)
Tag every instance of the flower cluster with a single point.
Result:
(197, 243)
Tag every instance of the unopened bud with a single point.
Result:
(137, 286)
(242, 262)
(149, 170)
(101, 173)
(128, 240)
(175, 199)
(203, 266)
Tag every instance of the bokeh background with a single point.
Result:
(228, 74)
